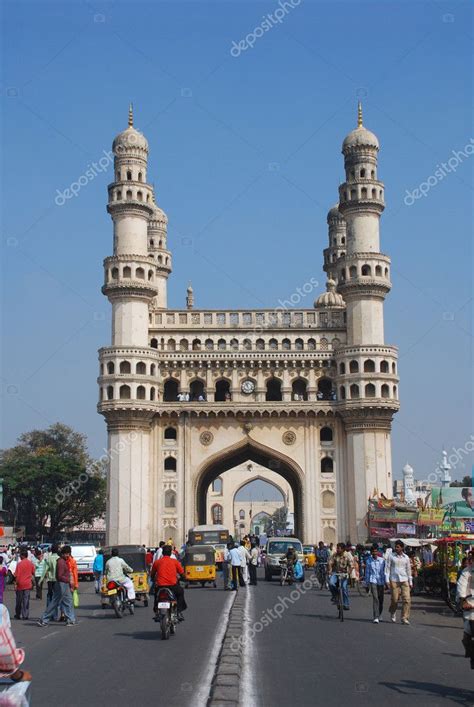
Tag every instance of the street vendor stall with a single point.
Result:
(449, 554)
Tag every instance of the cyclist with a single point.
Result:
(340, 563)
(322, 559)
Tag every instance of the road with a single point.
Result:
(305, 657)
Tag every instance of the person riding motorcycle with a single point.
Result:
(116, 570)
(291, 558)
(166, 572)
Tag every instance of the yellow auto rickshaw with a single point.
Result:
(309, 555)
(200, 565)
(134, 556)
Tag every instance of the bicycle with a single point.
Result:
(340, 597)
(322, 574)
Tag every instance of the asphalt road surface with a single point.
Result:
(301, 654)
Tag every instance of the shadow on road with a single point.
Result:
(419, 689)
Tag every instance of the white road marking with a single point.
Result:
(247, 682)
(53, 633)
(202, 697)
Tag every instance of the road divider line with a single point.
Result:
(202, 697)
(248, 694)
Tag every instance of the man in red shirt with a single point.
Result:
(24, 574)
(165, 573)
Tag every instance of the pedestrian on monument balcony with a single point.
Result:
(244, 559)
(399, 580)
(253, 564)
(375, 581)
(24, 578)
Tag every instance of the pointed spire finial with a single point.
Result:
(130, 115)
(359, 115)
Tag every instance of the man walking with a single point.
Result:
(49, 571)
(98, 570)
(62, 597)
(375, 581)
(244, 558)
(399, 580)
(24, 574)
(253, 564)
(235, 563)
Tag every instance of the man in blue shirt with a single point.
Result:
(375, 580)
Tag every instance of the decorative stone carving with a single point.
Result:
(289, 437)
(206, 438)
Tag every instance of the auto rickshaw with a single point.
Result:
(200, 565)
(309, 555)
(134, 556)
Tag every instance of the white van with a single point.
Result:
(84, 556)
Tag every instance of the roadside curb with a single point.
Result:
(225, 686)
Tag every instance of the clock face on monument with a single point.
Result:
(248, 387)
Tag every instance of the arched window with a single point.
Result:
(372, 174)
(209, 344)
(370, 390)
(170, 433)
(154, 343)
(217, 485)
(217, 514)
(170, 464)
(374, 193)
(324, 389)
(342, 368)
(352, 272)
(170, 390)
(140, 177)
(325, 434)
(299, 344)
(386, 272)
(140, 196)
(383, 366)
(260, 344)
(171, 345)
(152, 369)
(234, 344)
(273, 390)
(115, 273)
(241, 514)
(273, 344)
(196, 344)
(394, 368)
(183, 345)
(366, 270)
(110, 368)
(286, 344)
(395, 392)
(327, 465)
(221, 345)
(129, 195)
(323, 344)
(354, 390)
(129, 175)
(311, 344)
(247, 344)
(152, 393)
(125, 367)
(110, 392)
(299, 389)
(141, 368)
(125, 393)
(119, 194)
(196, 390)
(127, 272)
(342, 392)
(222, 392)
(141, 392)
(150, 275)
(353, 367)
(369, 366)
(362, 173)
(378, 271)
(170, 499)
(363, 192)
(385, 391)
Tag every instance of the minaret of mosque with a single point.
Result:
(367, 367)
(337, 242)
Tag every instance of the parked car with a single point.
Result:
(84, 556)
(275, 549)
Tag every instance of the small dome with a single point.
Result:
(129, 139)
(330, 298)
(407, 470)
(158, 218)
(189, 289)
(334, 213)
(360, 137)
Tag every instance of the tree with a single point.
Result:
(277, 521)
(465, 481)
(50, 482)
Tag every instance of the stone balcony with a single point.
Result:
(255, 321)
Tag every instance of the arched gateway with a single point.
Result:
(307, 391)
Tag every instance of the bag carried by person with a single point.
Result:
(75, 598)
(298, 570)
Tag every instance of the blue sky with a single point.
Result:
(245, 157)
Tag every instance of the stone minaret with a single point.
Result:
(337, 242)
(367, 367)
(131, 285)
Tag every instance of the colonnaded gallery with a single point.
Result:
(307, 395)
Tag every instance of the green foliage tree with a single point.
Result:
(277, 521)
(465, 481)
(50, 482)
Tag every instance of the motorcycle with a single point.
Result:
(166, 612)
(286, 573)
(118, 598)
